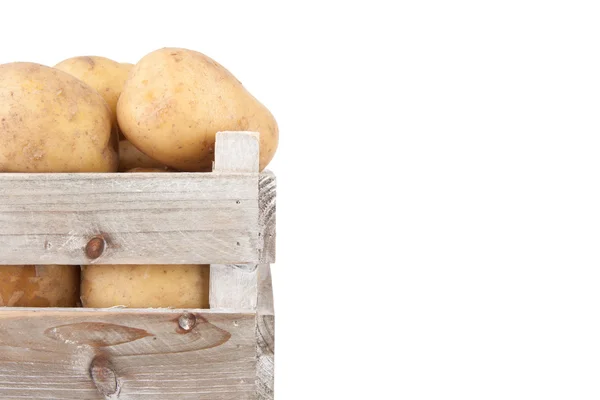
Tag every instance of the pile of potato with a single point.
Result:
(92, 114)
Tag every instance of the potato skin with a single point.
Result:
(130, 157)
(39, 285)
(141, 169)
(176, 100)
(104, 75)
(53, 122)
(176, 286)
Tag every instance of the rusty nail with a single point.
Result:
(95, 247)
(187, 321)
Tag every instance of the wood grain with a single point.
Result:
(267, 191)
(265, 336)
(146, 218)
(233, 286)
(264, 304)
(126, 354)
(237, 151)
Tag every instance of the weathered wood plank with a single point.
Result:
(233, 286)
(177, 247)
(236, 151)
(147, 218)
(265, 336)
(265, 312)
(267, 191)
(264, 304)
(131, 354)
(230, 285)
(89, 188)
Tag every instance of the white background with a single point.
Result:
(438, 175)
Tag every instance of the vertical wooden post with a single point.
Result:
(234, 286)
(265, 335)
(267, 187)
(249, 286)
(236, 151)
(265, 313)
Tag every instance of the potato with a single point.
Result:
(176, 286)
(53, 122)
(146, 170)
(130, 157)
(176, 100)
(104, 75)
(39, 285)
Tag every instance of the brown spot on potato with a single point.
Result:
(72, 110)
(243, 123)
(177, 56)
(33, 151)
(90, 61)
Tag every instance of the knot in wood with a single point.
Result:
(187, 321)
(95, 247)
(104, 376)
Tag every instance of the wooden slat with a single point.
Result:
(62, 187)
(133, 354)
(236, 151)
(264, 303)
(265, 336)
(233, 286)
(267, 191)
(148, 218)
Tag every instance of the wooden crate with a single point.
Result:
(225, 218)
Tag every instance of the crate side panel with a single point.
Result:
(48, 354)
(144, 218)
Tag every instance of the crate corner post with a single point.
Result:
(248, 286)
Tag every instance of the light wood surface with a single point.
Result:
(265, 336)
(49, 354)
(236, 152)
(233, 286)
(146, 218)
(267, 191)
